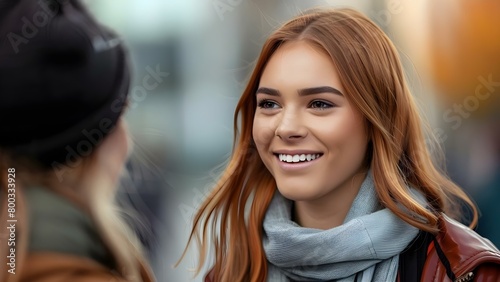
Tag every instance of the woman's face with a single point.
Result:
(115, 150)
(311, 139)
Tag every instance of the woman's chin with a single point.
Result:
(297, 193)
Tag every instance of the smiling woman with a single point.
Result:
(330, 178)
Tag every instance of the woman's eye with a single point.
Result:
(321, 105)
(267, 104)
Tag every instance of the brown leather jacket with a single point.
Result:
(470, 256)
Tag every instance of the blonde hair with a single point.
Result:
(371, 73)
(94, 194)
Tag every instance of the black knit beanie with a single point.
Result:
(64, 80)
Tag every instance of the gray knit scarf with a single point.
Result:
(364, 248)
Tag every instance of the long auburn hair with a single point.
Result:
(230, 219)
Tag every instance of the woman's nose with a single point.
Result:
(290, 127)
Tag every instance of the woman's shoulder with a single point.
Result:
(456, 253)
(460, 253)
(455, 238)
(56, 267)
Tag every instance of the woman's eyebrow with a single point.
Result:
(268, 91)
(318, 90)
(302, 92)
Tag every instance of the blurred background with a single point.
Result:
(201, 53)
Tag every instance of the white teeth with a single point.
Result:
(297, 158)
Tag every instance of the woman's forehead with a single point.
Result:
(301, 64)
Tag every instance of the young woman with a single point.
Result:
(63, 90)
(330, 178)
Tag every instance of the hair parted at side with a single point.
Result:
(371, 73)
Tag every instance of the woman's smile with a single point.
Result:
(296, 160)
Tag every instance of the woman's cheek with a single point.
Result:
(263, 130)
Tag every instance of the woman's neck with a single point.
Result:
(330, 210)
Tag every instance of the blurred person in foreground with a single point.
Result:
(330, 178)
(64, 81)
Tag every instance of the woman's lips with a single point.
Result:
(297, 161)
